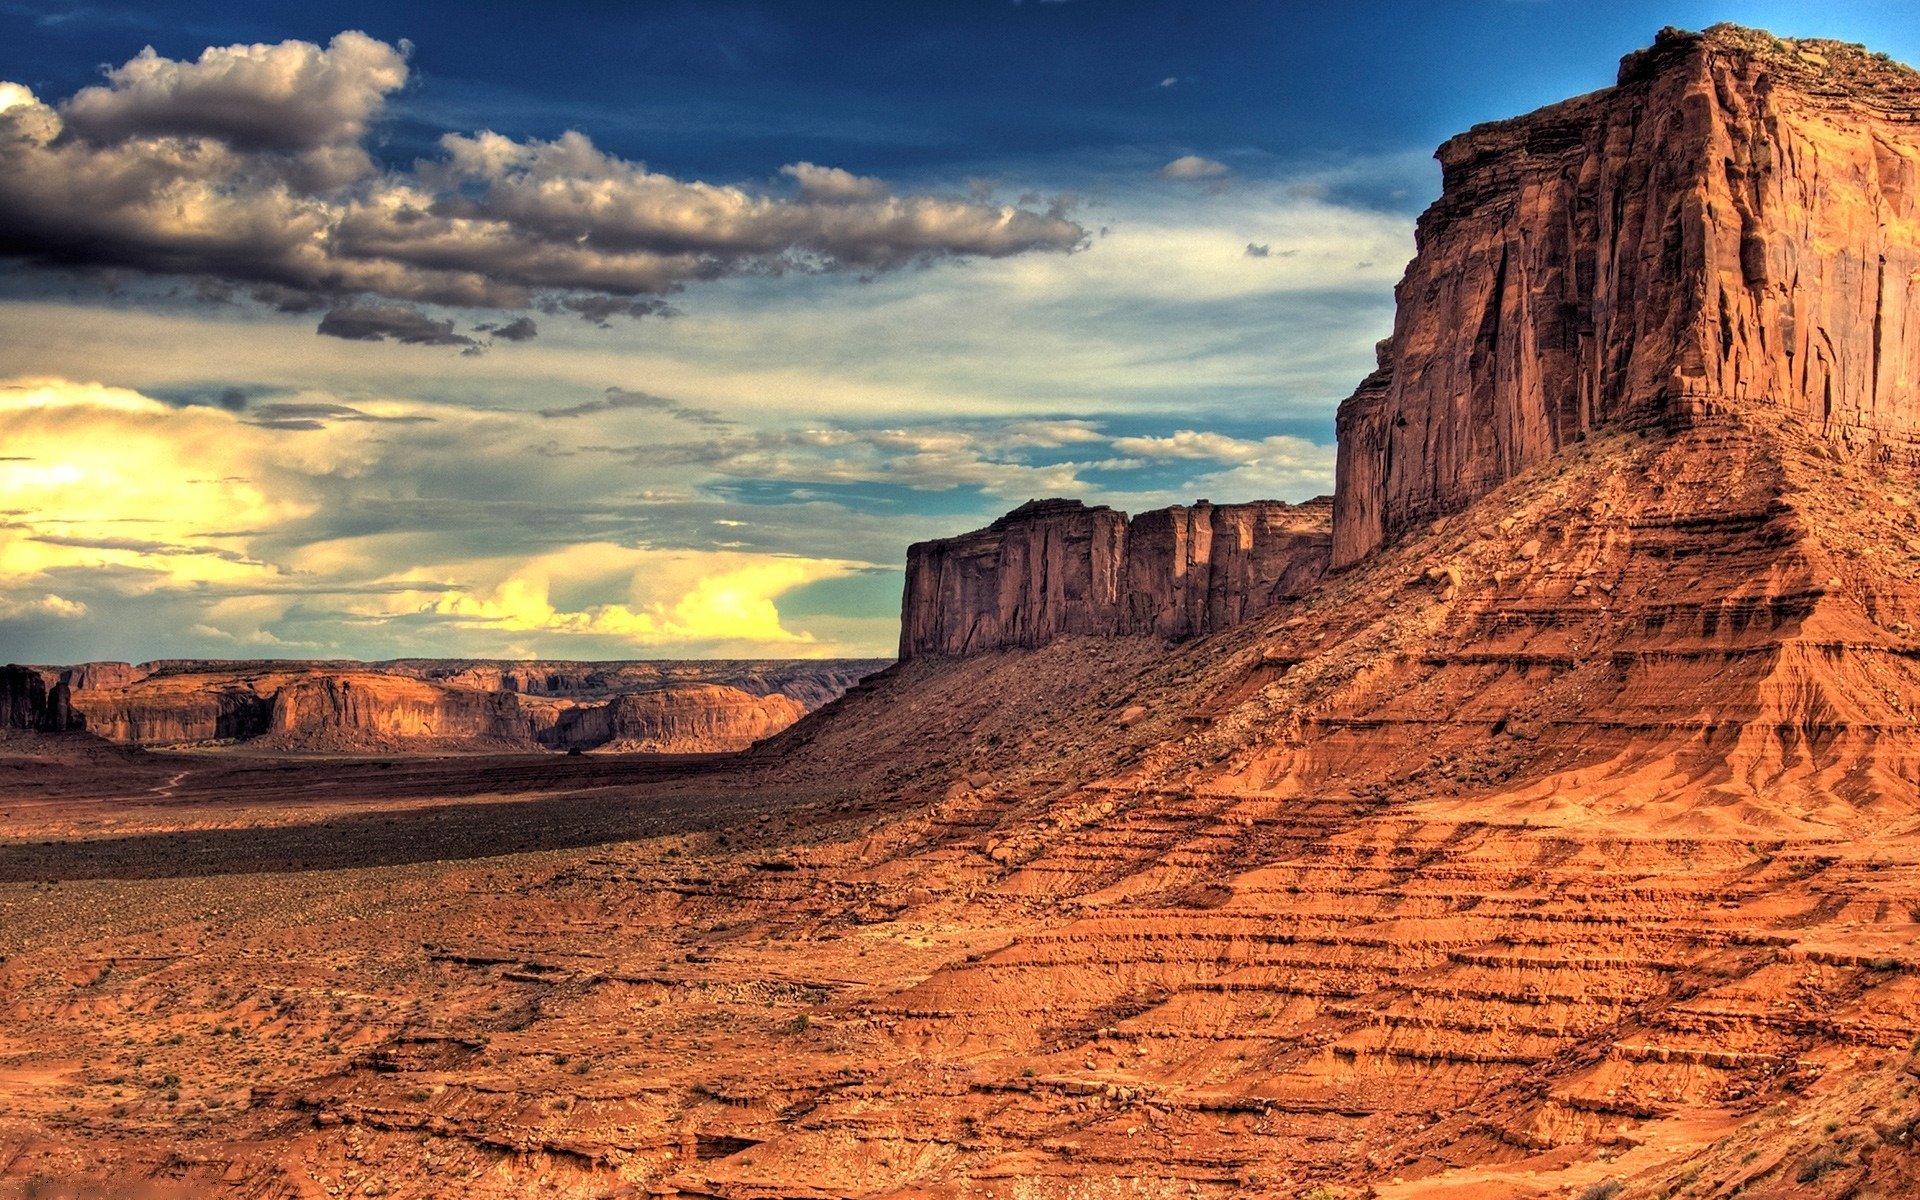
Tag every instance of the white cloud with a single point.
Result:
(1192, 166)
(21, 608)
(293, 98)
(832, 184)
(248, 165)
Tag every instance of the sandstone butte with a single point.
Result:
(421, 705)
(1560, 840)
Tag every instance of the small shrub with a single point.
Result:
(1606, 1189)
(1819, 1163)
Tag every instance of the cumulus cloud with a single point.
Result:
(24, 608)
(161, 523)
(1193, 167)
(832, 184)
(248, 166)
(1246, 467)
(735, 602)
(310, 103)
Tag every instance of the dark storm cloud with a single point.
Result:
(248, 166)
(377, 321)
(520, 329)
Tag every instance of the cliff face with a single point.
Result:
(692, 707)
(705, 715)
(367, 709)
(1057, 567)
(1734, 225)
(30, 700)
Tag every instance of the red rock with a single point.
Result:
(1057, 567)
(1734, 225)
(447, 704)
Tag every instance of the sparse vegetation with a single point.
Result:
(1820, 1162)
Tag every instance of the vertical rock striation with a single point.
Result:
(1058, 567)
(1735, 225)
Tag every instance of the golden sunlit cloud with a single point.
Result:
(237, 513)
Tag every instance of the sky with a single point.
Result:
(660, 330)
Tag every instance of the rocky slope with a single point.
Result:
(661, 707)
(1564, 845)
(1057, 567)
(1735, 225)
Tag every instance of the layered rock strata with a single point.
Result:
(660, 707)
(1053, 568)
(1734, 225)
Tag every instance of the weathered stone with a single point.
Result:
(661, 707)
(1732, 225)
(1057, 567)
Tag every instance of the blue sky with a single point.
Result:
(653, 330)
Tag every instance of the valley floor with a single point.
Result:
(1569, 849)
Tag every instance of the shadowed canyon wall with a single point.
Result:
(1734, 225)
(1056, 567)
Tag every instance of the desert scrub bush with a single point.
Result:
(1819, 1163)
(1606, 1189)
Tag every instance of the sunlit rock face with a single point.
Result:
(663, 707)
(1734, 225)
(1058, 567)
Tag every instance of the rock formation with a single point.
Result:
(29, 700)
(1057, 567)
(1568, 845)
(696, 715)
(446, 704)
(1734, 225)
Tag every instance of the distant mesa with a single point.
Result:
(658, 707)
(1056, 567)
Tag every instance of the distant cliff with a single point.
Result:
(1735, 225)
(1056, 567)
(667, 707)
